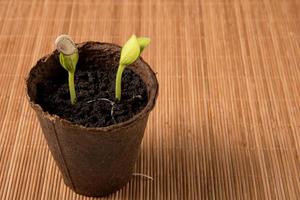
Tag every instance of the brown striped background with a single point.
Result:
(227, 122)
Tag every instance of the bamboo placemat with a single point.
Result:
(227, 121)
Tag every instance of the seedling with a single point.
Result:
(68, 58)
(129, 53)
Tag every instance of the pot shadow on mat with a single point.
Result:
(193, 163)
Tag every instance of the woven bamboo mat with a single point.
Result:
(227, 122)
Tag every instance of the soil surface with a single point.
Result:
(95, 89)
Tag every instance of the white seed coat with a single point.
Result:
(65, 45)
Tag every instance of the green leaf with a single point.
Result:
(143, 42)
(69, 62)
(130, 51)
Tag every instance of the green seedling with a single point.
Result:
(129, 53)
(68, 58)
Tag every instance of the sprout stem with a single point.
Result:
(72, 88)
(118, 81)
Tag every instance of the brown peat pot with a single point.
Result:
(94, 161)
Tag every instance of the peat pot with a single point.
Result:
(93, 161)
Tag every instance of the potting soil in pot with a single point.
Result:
(95, 89)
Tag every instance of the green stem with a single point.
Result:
(72, 88)
(118, 81)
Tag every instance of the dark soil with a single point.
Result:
(95, 90)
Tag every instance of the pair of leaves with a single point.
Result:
(129, 53)
(68, 56)
(132, 49)
(69, 62)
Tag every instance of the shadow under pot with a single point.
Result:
(94, 161)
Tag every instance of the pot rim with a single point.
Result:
(64, 122)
